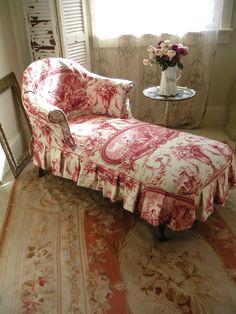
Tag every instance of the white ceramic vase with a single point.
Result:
(168, 84)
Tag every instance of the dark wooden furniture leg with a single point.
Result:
(41, 172)
(161, 236)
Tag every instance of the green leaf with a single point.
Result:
(180, 65)
(164, 67)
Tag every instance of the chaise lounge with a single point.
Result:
(82, 130)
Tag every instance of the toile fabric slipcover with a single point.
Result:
(82, 130)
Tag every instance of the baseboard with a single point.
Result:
(215, 116)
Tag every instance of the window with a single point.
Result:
(134, 17)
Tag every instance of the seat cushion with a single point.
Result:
(178, 175)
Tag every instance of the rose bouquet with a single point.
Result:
(166, 54)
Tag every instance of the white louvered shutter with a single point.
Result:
(74, 31)
(41, 25)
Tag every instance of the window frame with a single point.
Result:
(226, 22)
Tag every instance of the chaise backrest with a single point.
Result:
(70, 87)
(59, 82)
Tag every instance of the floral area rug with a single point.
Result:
(66, 249)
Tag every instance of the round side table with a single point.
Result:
(183, 93)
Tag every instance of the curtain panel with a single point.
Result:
(122, 57)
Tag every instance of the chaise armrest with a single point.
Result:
(48, 113)
(108, 96)
(127, 84)
(42, 109)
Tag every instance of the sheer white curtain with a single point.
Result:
(123, 29)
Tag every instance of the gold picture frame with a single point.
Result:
(16, 165)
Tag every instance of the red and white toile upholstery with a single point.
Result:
(82, 130)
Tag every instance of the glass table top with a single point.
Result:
(183, 93)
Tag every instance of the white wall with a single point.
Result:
(12, 41)
(14, 57)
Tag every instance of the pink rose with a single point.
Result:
(151, 49)
(171, 54)
(174, 47)
(158, 52)
(145, 61)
